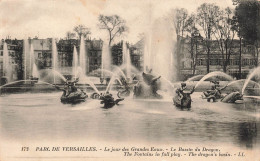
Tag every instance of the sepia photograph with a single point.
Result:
(123, 80)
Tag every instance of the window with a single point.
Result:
(236, 62)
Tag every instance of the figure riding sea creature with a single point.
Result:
(108, 100)
(71, 94)
(214, 93)
(182, 98)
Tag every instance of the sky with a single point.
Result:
(53, 18)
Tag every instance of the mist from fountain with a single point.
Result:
(82, 56)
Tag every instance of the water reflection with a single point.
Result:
(247, 134)
(42, 116)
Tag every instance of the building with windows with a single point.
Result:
(193, 57)
(136, 53)
(248, 59)
(15, 49)
(43, 54)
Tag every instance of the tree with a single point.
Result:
(248, 20)
(236, 27)
(70, 35)
(224, 34)
(114, 25)
(82, 30)
(195, 37)
(207, 16)
(181, 22)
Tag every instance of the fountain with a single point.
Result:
(159, 48)
(127, 60)
(214, 74)
(82, 56)
(106, 58)
(158, 58)
(33, 68)
(195, 78)
(54, 58)
(47, 75)
(147, 51)
(75, 61)
(121, 72)
(7, 66)
(26, 59)
(254, 73)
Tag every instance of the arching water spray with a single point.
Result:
(213, 74)
(255, 72)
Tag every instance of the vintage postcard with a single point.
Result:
(97, 80)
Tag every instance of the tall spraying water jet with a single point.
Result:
(127, 59)
(75, 61)
(33, 68)
(26, 59)
(147, 52)
(82, 56)
(159, 48)
(106, 58)
(54, 58)
(7, 66)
